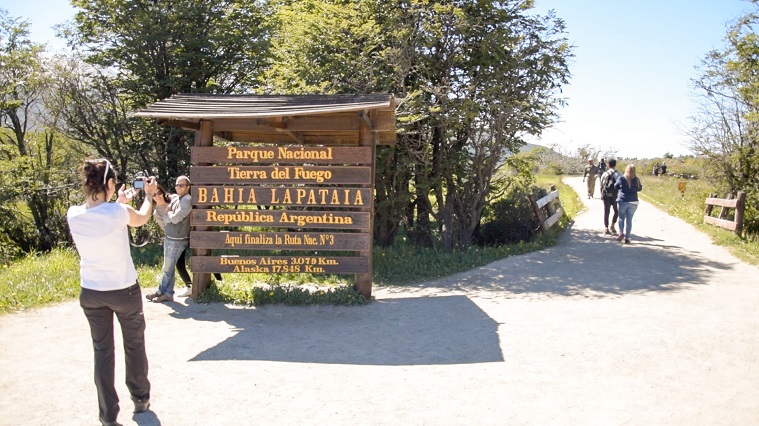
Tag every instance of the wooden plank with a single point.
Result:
(282, 196)
(555, 218)
(547, 199)
(287, 154)
(722, 223)
(280, 264)
(327, 241)
(306, 219)
(341, 175)
(722, 202)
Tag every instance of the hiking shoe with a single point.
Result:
(110, 423)
(187, 292)
(607, 232)
(151, 296)
(163, 298)
(620, 236)
(627, 241)
(613, 229)
(141, 405)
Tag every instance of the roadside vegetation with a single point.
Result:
(689, 206)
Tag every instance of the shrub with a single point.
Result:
(508, 221)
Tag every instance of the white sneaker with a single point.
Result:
(187, 292)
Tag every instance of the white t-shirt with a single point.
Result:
(102, 240)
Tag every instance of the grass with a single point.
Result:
(38, 280)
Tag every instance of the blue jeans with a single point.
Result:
(626, 213)
(172, 251)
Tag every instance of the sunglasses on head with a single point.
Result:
(107, 168)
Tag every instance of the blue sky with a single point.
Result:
(630, 91)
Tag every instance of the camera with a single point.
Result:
(139, 180)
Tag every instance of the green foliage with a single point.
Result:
(508, 221)
(725, 132)
(37, 280)
(279, 294)
(164, 47)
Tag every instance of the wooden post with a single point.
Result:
(723, 212)
(739, 208)
(709, 207)
(363, 283)
(200, 282)
(538, 212)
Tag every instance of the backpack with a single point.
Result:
(607, 184)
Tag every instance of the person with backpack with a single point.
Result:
(609, 196)
(628, 187)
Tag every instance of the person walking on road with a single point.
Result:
(108, 282)
(609, 196)
(590, 177)
(628, 187)
(176, 223)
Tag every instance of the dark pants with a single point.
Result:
(182, 269)
(610, 203)
(99, 307)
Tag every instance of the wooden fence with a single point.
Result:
(544, 209)
(731, 202)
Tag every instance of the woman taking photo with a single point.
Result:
(108, 282)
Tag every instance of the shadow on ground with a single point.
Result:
(403, 331)
(589, 264)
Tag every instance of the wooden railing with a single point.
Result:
(544, 209)
(731, 202)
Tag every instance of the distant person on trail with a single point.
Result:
(108, 282)
(656, 169)
(663, 168)
(590, 177)
(627, 201)
(601, 168)
(609, 195)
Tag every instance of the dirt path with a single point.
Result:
(662, 331)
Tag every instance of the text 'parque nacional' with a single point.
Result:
(281, 153)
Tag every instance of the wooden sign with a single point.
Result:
(261, 175)
(280, 264)
(332, 241)
(282, 196)
(281, 155)
(335, 219)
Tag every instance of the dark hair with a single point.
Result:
(95, 175)
(160, 189)
(612, 163)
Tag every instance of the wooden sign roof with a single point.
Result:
(307, 119)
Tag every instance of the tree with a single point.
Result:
(475, 77)
(157, 48)
(33, 160)
(725, 128)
